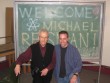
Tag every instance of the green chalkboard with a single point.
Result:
(83, 21)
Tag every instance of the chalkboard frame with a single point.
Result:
(63, 2)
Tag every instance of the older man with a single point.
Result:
(42, 59)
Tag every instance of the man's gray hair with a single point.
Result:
(43, 30)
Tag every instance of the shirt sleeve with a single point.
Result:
(24, 57)
(52, 64)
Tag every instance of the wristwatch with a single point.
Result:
(76, 74)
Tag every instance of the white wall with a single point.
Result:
(106, 42)
(106, 39)
(3, 5)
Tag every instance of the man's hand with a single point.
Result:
(17, 69)
(73, 79)
(44, 72)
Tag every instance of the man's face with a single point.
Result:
(63, 40)
(43, 38)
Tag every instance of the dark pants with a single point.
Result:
(42, 79)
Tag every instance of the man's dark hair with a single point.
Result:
(64, 32)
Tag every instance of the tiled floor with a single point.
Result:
(86, 76)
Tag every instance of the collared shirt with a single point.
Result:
(26, 56)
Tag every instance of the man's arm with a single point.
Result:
(50, 66)
(24, 57)
(78, 65)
